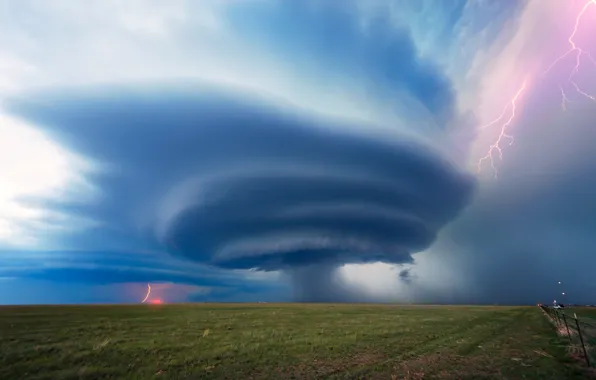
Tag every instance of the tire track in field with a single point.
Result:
(500, 320)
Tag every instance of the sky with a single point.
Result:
(267, 150)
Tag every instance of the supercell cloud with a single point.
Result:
(337, 154)
(228, 181)
(323, 146)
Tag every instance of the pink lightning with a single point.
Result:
(496, 146)
(565, 100)
(591, 97)
(148, 294)
(579, 53)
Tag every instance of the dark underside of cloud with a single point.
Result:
(108, 267)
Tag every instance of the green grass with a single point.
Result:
(279, 341)
(582, 313)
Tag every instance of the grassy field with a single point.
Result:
(588, 313)
(242, 341)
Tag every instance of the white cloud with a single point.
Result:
(432, 278)
(68, 43)
(33, 167)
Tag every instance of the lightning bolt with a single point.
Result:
(579, 53)
(574, 49)
(148, 294)
(565, 100)
(496, 146)
(591, 97)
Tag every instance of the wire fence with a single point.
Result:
(581, 332)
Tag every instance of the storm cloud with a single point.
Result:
(235, 183)
(324, 148)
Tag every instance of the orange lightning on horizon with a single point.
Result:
(148, 294)
(496, 146)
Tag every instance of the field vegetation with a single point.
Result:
(280, 341)
(587, 313)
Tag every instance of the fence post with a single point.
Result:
(581, 339)
(567, 327)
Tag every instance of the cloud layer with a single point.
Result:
(241, 184)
